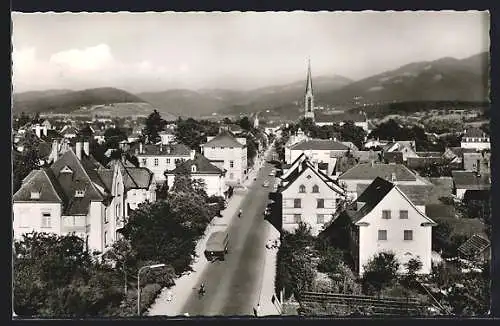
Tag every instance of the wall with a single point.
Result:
(420, 245)
(28, 218)
(164, 163)
(214, 184)
(476, 145)
(238, 155)
(308, 210)
(96, 218)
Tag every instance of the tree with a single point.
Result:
(55, 276)
(25, 162)
(380, 271)
(352, 133)
(113, 137)
(20, 121)
(164, 231)
(86, 132)
(412, 267)
(123, 256)
(154, 124)
(245, 123)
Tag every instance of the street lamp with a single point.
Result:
(139, 284)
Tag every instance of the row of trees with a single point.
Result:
(347, 132)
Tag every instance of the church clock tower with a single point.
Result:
(309, 97)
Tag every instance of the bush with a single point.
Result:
(128, 308)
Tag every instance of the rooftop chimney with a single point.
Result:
(161, 147)
(78, 149)
(54, 152)
(86, 147)
(141, 149)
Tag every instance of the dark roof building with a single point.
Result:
(202, 166)
(320, 144)
(223, 139)
(370, 171)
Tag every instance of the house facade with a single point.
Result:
(76, 195)
(227, 153)
(383, 218)
(475, 138)
(201, 168)
(308, 196)
(159, 158)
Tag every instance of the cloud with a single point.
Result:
(89, 67)
(89, 59)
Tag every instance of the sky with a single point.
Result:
(158, 51)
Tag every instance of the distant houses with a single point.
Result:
(475, 138)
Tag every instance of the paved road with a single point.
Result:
(233, 285)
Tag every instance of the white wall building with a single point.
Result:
(475, 138)
(229, 153)
(384, 219)
(77, 195)
(201, 168)
(310, 197)
(160, 158)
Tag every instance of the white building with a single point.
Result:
(308, 196)
(229, 153)
(160, 158)
(365, 173)
(318, 151)
(383, 218)
(167, 137)
(76, 195)
(475, 138)
(201, 168)
(406, 147)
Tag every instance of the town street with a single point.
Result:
(233, 285)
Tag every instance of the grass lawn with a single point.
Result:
(466, 226)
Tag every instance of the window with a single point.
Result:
(320, 218)
(144, 161)
(386, 215)
(35, 195)
(213, 147)
(231, 164)
(382, 234)
(106, 218)
(315, 189)
(168, 161)
(321, 203)
(106, 240)
(231, 176)
(193, 168)
(302, 189)
(296, 218)
(408, 234)
(222, 148)
(156, 162)
(297, 203)
(79, 193)
(403, 215)
(46, 220)
(230, 147)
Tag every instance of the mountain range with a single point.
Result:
(440, 80)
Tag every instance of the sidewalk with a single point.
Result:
(268, 306)
(183, 285)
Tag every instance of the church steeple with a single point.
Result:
(309, 85)
(309, 96)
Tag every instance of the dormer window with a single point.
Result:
(79, 193)
(193, 168)
(35, 195)
(66, 169)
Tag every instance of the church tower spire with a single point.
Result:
(309, 96)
